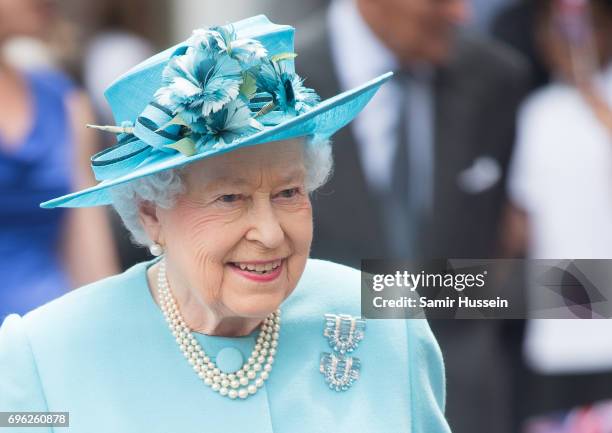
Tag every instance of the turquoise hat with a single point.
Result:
(222, 89)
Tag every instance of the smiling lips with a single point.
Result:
(259, 271)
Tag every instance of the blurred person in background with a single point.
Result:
(421, 172)
(561, 190)
(42, 154)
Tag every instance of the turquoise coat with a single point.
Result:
(105, 354)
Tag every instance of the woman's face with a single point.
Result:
(571, 60)
(239, 238)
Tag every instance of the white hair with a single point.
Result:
(163, 188)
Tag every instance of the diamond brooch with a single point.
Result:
(344, 333)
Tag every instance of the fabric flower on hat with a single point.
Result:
(248, 52)
(198, 83)
(209, 74)
(286, 88)
(224, 126)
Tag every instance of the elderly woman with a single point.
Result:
(232, 327)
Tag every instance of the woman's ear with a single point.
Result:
(147, 211)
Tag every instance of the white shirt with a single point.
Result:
(561, 175)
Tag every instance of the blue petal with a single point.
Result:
(222, 85)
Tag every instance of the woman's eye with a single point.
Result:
(289, 193)
(230, 198)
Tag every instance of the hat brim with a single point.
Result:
(322, 121)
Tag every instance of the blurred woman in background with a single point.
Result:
(561, 188)
(42, 154)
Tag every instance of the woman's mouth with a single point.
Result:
(259, 271)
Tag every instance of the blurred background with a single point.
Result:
(494, 140)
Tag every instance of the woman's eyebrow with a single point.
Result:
(227, 181)
(285, 177)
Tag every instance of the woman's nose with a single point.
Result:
(266, 228)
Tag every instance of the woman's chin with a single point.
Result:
(256, 302)
(256, 307)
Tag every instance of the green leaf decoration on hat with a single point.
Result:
(176, 120)
(283, 56)
(248, 88)
(185, 146)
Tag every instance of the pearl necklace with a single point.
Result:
(244, 382)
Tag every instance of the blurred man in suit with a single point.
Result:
(421, 172)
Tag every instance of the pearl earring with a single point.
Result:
(156, 249)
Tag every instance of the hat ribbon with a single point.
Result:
(152, 131)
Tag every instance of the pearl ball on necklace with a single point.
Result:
(253, 373)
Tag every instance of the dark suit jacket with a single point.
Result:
(476, 99)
